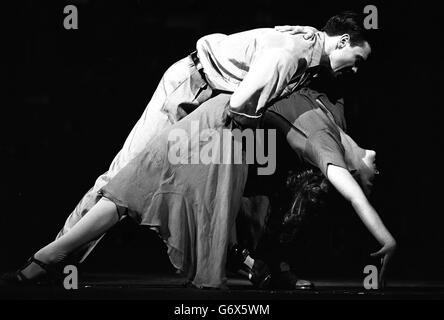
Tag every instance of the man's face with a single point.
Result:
(346, 57)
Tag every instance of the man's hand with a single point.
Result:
(386, 254)
(309, 31)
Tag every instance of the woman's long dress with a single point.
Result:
(192, 205)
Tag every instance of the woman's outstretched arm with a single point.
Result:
(347, 186)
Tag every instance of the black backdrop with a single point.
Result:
(72, 96)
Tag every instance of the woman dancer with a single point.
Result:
(193, 206)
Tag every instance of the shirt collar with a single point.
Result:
(318, 49)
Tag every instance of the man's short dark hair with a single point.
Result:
(348, 22)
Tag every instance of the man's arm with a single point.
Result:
(275, 62)
(268, 75)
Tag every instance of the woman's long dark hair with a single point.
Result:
(305, 193)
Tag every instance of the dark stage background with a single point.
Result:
(72, 97)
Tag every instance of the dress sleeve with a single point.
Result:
(323, 148)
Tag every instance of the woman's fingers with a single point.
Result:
(385, 253)
(288, 28)
(309, 32)
(385, 262)
(387, 249)
(379, 253)
(306, 30)
(383, 268)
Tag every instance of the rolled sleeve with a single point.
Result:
(269, 73)
(277, 60)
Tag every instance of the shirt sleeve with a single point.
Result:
(272, 68)
(323, 148)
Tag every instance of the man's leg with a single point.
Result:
(267, 267)
(251, 220)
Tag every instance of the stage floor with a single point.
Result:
(171, 287)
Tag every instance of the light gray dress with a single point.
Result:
(193, 206)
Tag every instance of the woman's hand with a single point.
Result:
(343, 181)
(386, 254)
(309, 31)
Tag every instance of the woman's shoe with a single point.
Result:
(19, 279)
